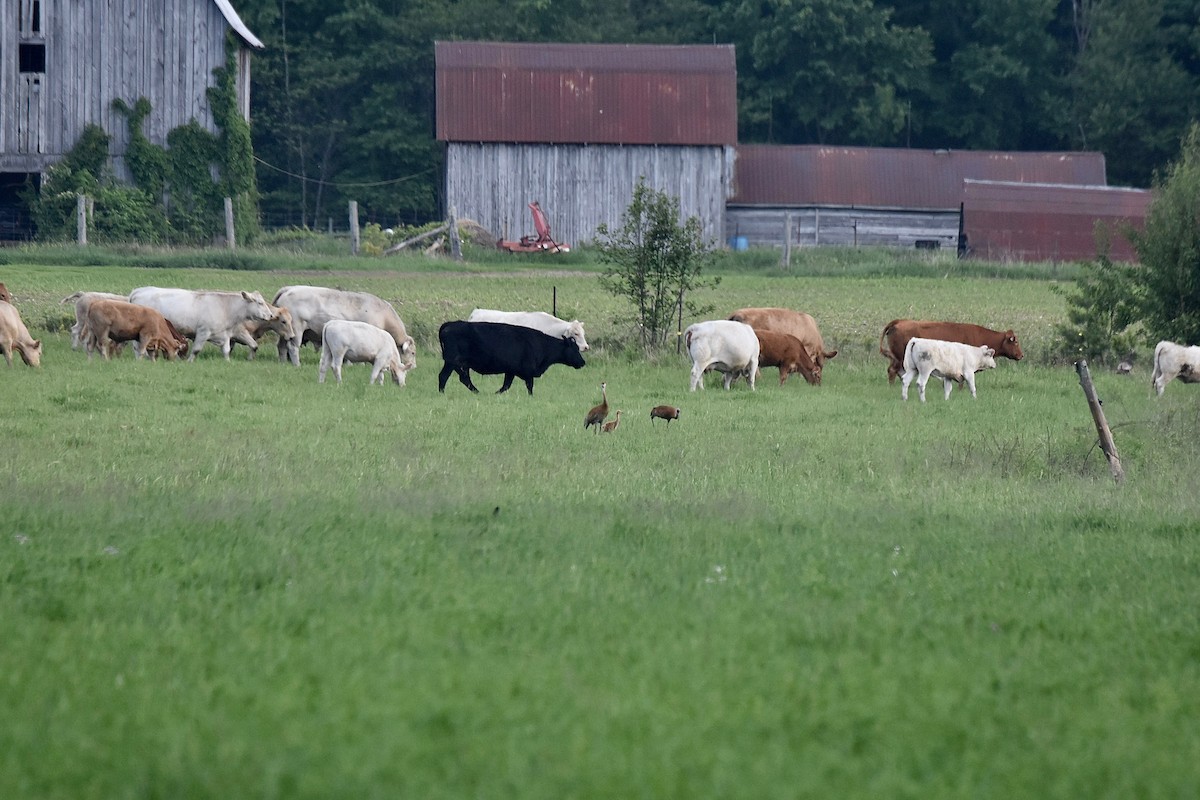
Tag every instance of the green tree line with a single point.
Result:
(343, 94)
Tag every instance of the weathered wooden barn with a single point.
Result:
(64, 62)
(825, 195)
(1007, 221)
(574, 127)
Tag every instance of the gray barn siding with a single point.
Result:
(581, 186)
(97, 52)
(765, 226)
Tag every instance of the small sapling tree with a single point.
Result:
(654, 262)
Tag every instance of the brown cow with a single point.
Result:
(15, 336)
(796, 323)
(786, 352)
(897, 333)
(111, 321)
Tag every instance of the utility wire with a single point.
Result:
(344, 185)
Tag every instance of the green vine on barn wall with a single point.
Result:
(175, 193)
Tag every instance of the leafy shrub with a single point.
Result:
(1102, 310)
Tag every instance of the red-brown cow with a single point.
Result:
(796, 323)
(111, 321)
(896, 334)
(786, 352)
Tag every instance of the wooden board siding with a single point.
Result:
(581, 186)
(97, 52)
(765, 226)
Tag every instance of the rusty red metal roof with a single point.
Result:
(1047, 222)
(883, 177)
(586, 93)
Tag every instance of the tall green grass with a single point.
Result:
(225, 580)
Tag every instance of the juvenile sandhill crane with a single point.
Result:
(609, 427)
(664, 412)
(597, 414)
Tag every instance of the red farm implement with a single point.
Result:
(542, 243)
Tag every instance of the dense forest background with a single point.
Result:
(343, 94)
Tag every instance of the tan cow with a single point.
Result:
(111, 321)
(896, 334)
(15, 336)
(82, 300)
(796, 323)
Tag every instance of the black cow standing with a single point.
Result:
(494, 348)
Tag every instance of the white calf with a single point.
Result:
(726, 346)
(360, 342)
(1173, 361)
(950, 361)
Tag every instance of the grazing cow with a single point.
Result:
(359, 342)
(15, 336)
(4, 295)
(82, 300)
(538, 320)
(251, 332)
(726, 346)
(798, 324)
(313, 306)
(110, 321)
(1173, 361)
(786, 352)
(204, 315)
(494, 348)
(950, 361)
(896, 334)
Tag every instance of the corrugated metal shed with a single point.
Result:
(880, 177)
(586, 93)
(1047, 222)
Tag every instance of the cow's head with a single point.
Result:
(987, 358)
(31, 354)
(408, 353)
(575, 331)
(259, 308)
(281, 323)
(1010, 347)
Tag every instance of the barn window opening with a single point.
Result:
(35, 24)
(33, 57)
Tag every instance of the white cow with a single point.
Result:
(538, 320)
(204, 315)
(726, 346)
(313, 306)
(14, 337)
(1173, 361)
(953, 362)
(360, 342)
(82, 300)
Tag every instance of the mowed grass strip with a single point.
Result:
(225, 580)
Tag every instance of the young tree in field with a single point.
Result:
(654, 262)
(1169, 249)
(1102, 309)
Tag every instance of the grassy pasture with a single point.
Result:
(224, 580)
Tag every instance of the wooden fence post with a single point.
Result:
(229, 232)
(787, 240)
(354, 227)
(1106, 441)
(81, 220)
(455, 241)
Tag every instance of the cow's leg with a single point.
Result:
(339, 357)
(753, 372)
(529, 385)
(508, 379)
(464, 377)
(904, 383)
(697, 376)
(922, 379)
(444, 376)
(323, 367)
(377, 369)
(8, 354)
(202, 335)
(947, 386)
(242, 336)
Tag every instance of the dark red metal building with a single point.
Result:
(1047, 222)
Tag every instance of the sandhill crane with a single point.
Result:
(597, 414)
(609, 427)
(664, 412)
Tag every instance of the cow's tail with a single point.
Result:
(1156, 373)
(887, 331)
(71, 298)
(687, 339)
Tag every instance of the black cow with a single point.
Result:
(492, 348)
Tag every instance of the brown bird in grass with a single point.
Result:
(609, 427)
(596, 415)
(664, 412)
